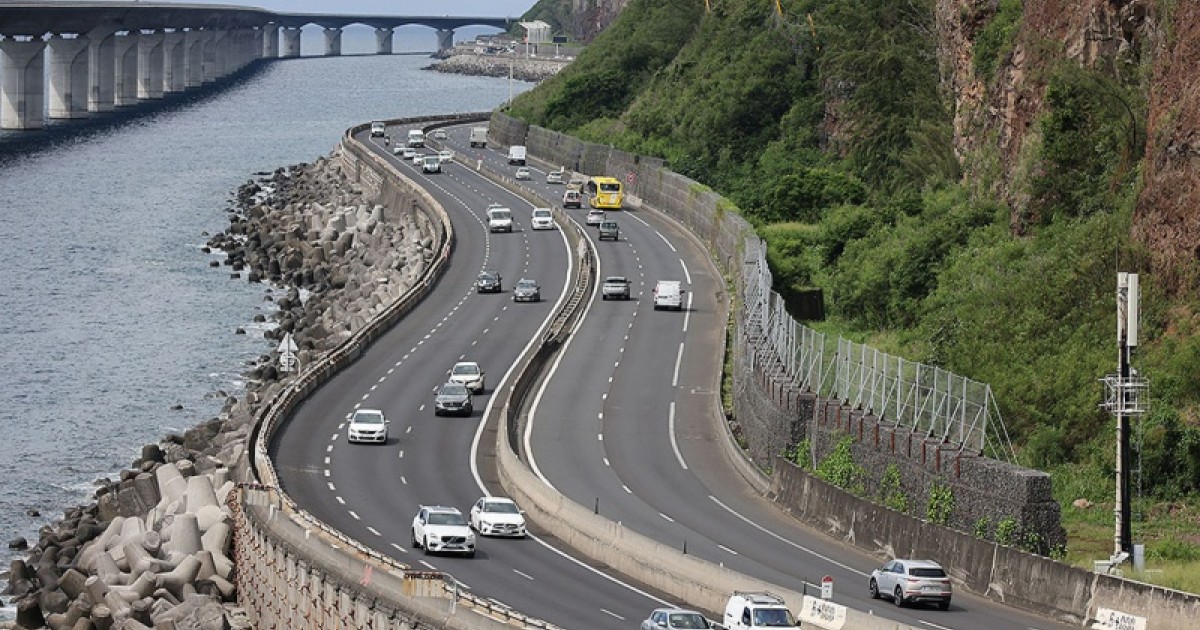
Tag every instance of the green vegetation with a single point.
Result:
(1007, 531)
(840, 470)
(940, 505)
(891, 493)
(983, 528)
(827, 128)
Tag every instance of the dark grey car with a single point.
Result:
(488, 282)
(527, 290)
(452, 398)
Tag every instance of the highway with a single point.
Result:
(626, 423)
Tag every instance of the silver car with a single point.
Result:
(615, 288)
(674, 618)
(452, 398)
(912, 581)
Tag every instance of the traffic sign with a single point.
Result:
(631, 177)
(287, 345)
(827, 587)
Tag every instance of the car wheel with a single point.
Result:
(604, 297)
(413, 539)
(425, 546)
(898, 596)
(874, 589)
(944, 605)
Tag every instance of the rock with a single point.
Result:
(1082, 504)
(19, 543)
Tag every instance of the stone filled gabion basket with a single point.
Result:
(154, 550)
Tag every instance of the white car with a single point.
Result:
(523, 173)
(594, 217)
(668, 294)
(431, 164)
(378, 129)
(912, 581)
(445, 156)
(497, 516)
(554, 177)
(439, 134)
(417, 159)
(468, 373)
(499, 219)
(367, 425)
(439, 529)
(405, 153)
(543, 219)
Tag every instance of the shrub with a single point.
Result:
(941, 504)
(983, 528)
(840, 470)
(1006, 531)
(891, 493)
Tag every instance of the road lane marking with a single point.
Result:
(687, 315)
(340, 500)
(671, 431)
(399, 548)
(523, 574)
(355, 515)
(331, 488)
(668, 518)
(327, 472)
(429, 566)
(678, 360)
(609, 612)
(686, 274)
(933, 625)
(626, 489)
(606, 462)
(664, 239)
(401, 454)
(785, 540)
(326, 460)
(723, 547)
(374, 531)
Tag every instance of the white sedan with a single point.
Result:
(367, 425)
(523, 173)
(497, 516)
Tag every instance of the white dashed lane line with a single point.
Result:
(524, 575)
(355, 515)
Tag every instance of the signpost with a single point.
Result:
(287, 354)
(827, 587)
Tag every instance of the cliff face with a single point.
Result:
(592, 16)
(999, 113)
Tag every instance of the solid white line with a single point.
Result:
(785, 540)
(523, 574)
(685, 272)
(671, 432)
(664, 239)
(678, 360)
(687, 315)
(933, 625)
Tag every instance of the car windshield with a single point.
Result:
(487, 276)
(446, 518)
(610, 188)
(453, 389)
(928, 572)
(466, 369)
(773, 618)
(500, 214)
(368, 417)
(686, 620)
(527, 284)
(501, 507)
(541, 213)
(615, 280)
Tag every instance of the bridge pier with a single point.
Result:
(270, 49)
(125, 68)
(383, 41)
(333, 42)
(174, 62)
(445, 39)
(150, 65)
(210, 40)
(22, 83)
(291, 42)
(193, 58)
(101, 69)
(68, 77)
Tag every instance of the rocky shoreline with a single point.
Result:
(523, 68)
(154, 548)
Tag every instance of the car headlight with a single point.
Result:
(485, 525)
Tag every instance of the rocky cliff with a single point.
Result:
(995, 116)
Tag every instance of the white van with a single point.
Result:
(416, 138)
(499, 219)
(746, 611)
(516, 155)
(378, 129)
(668, 294)
(479, 137)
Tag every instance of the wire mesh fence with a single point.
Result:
(925, 399)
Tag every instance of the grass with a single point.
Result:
(1170, 530)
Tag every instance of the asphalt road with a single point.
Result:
(625, 423)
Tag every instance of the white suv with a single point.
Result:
(468, 373)
(543, 219)
(439, 529)
(912, 581)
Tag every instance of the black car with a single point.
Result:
(527, 290)
(488, 282)
(452, 398)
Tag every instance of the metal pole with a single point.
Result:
(1123, 531)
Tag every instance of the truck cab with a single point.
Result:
(752, 610)
(416, 138)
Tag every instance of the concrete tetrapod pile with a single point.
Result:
(154, 549)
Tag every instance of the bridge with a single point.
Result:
(105, 55)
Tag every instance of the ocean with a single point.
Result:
(115, 330)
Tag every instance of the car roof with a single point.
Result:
(440, 508)
(465, 363)
(526, 281)
(616, 279)
(365, 412)
(929, 564)
(498, 500)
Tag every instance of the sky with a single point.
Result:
(484, 8)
